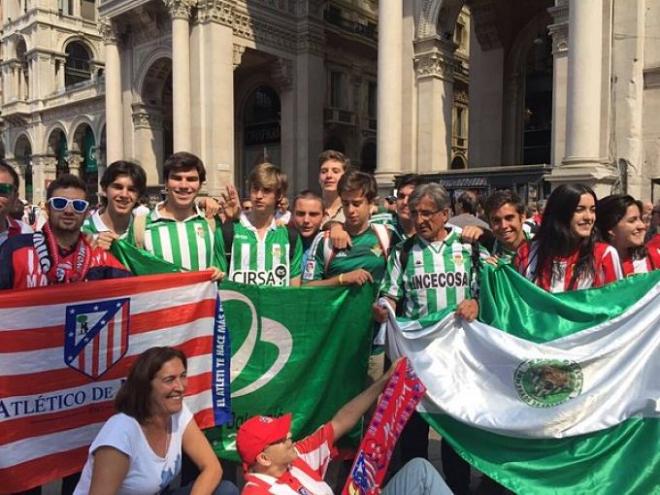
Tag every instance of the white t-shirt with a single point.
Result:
(148, 473)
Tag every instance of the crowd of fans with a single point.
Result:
(419, 250)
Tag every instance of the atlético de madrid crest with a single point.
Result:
(548, 382)
(96, 335)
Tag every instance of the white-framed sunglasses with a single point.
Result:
(58, 203)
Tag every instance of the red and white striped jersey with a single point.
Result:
(646, 264)
(305, 476)
(557, 277)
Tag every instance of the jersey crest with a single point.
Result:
(96, 335)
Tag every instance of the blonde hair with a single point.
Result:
(268, 176)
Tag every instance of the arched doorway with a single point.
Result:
(57, 148)
(538, 101)
(84, 143)
(23, 156)
(261, 129)
(368, 157)
(153, 119)
(458, 163)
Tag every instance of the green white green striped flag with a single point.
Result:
(548, 394)
(299, 350)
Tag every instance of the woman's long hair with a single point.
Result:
(555, 237)
(134, 396)
(610, 211)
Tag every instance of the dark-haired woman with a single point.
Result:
(565, 255)
(139, 450)
(620, 224)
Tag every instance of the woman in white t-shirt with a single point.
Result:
(139, 450)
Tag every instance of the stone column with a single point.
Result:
(585, 32)
(113, 98)
(212, 98)
(583, 161)
(434, 66)
(310, 84)
(559, 32)
(60, 63)
(282, 75)
(390, 87)
(75, 161)
(148, 126)
(181, 74)
(44, 169)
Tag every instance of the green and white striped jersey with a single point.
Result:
(93, 224)
(436, 276)
(189, 244)
(505, 256)
(264, 261)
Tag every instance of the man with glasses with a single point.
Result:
(59, 254)
(425, 274)
(9, 226)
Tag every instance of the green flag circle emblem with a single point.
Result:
(548, 382)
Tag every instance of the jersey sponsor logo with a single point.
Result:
(548, 382)
(440, 280)
(96, 335)
(278, 276)
(262, 330)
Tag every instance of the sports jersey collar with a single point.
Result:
(155, 215)
(99, 225)
(245, 222)
(452, 236)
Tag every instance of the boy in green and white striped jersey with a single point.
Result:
(176, 230)
(263, 252)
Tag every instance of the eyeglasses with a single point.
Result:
(7, 189)
(423, 213)
(59, 203)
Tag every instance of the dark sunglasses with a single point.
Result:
(7, 189)
(59, 203)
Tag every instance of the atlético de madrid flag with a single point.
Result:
(548, 393)
(65, 350)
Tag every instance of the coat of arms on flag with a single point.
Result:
(96, 335)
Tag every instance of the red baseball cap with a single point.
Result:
(259, 432)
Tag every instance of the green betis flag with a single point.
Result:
(140, 262)
(298, 350)
(548, 393)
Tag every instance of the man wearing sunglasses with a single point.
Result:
(9, 227)
(59, 254)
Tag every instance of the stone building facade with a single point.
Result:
(52, 103)
(568, 88)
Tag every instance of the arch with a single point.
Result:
(514, 87)
(23, 156)
(438, 18)
(83, 143)
(458, 163)
(23, 90)
(56, 126)
(368, 157)
(56, 146)
(77, 68)
(76, 126)
(155, 81)
(91, 48)
(145, 68)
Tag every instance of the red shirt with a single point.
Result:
(557, 277)
(305, 475)
(20, 267)
(646, 264)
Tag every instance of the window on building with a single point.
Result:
(65, 7)
(337, 89)
(459, 34)
(372, 100)
(88, 10)
(460, 122)
(77, 64)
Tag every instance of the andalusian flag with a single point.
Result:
(547, 394)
